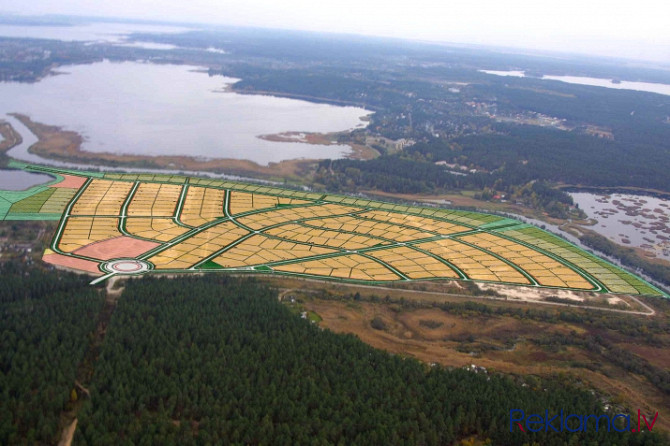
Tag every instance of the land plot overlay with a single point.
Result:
(124, 224)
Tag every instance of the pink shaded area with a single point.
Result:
(71, 182)
(115, 248)
(73, 263)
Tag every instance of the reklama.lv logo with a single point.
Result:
(574, 422)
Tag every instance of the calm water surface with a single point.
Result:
(21, 180)
(632, 220)
(148, 109)
(593, 81)
(93, 32)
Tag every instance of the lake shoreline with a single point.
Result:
(178, 111)
(301, 97)
(10, 137)
(58, 144)
(608, 190)
(613, 83)
(358, 151)
(632, 220)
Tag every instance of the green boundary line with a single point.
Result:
(123, 214)
(520, 270)
(600, 287)
(395, 271)
(476, 221)
(180, 207)
(592, 257)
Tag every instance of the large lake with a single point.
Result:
(149, 109)
(89, 32)
(593, 81)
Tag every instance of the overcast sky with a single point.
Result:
(634, 29)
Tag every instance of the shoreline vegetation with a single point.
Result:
(64, 145)
(8, 139)
(58, 144)
(358, 151)
(614, 190)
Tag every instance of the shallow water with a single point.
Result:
(21, 180)
(148, 109)
(20, 152)
(632, 220)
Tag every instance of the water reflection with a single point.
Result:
(146, 109)
(21, 180)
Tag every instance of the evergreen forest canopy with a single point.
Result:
(216, 359)
(45, 321)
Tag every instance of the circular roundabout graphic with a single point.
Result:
(127, 266)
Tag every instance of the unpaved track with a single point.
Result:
(113, 294)
(650, 311)
(68, 434)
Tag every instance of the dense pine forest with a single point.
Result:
(45, 319)
(218, 360)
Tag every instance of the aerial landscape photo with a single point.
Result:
(346, 223)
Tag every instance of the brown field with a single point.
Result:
(500, 343)
(656, 355)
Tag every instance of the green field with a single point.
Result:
(116, 223)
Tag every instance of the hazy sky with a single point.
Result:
(635, 29)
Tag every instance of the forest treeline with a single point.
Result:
(508, 157)
(432, 94)
(411, 89)
(402, 175)
(45, 319)
(218, 360)
(436, 96)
